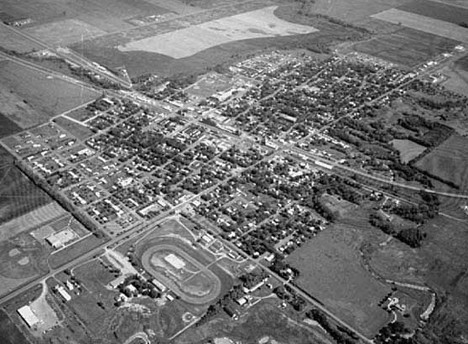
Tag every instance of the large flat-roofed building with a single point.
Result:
(60, 239)
(28, 316)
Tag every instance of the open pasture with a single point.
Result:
(425, 24)
(13, 41)
(9, 333)
(189, 41)
(330, 270)
(47, 95)
(406, 46)
(437, 10)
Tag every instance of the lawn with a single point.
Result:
(75, 250)
(330, 270)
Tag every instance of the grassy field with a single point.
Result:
(425, 24)
(437, 10)
(74, 251)
(264, 323)
(408, 149)
(79, 131)
(330, 270)
(449, 161)
(351, 11)
(441, 263)
(12, 41)
(406, 46)
(9, 333)
(46, 95)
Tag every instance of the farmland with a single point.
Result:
(186, 42)
(406, 46)
(448, 161)
(15, 42)
(338, 280)
(408, 149)
(425, 24)
(18, 195)
(106, 15)
(47, 95)
(445, 12)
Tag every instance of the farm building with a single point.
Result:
(161, 287)
(28, 316)
(63, 293)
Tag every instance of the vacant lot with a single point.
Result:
(80, 131)
(330, 270)
(437, 10)
(407, 47)
(189, 41)
(426, 24)
(47, 95)
(408, 149)
(449, 161)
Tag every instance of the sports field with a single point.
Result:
(189, 41)
(425, 24)
(192, 281)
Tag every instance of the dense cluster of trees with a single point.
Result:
(393, 333)
(339, 334)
